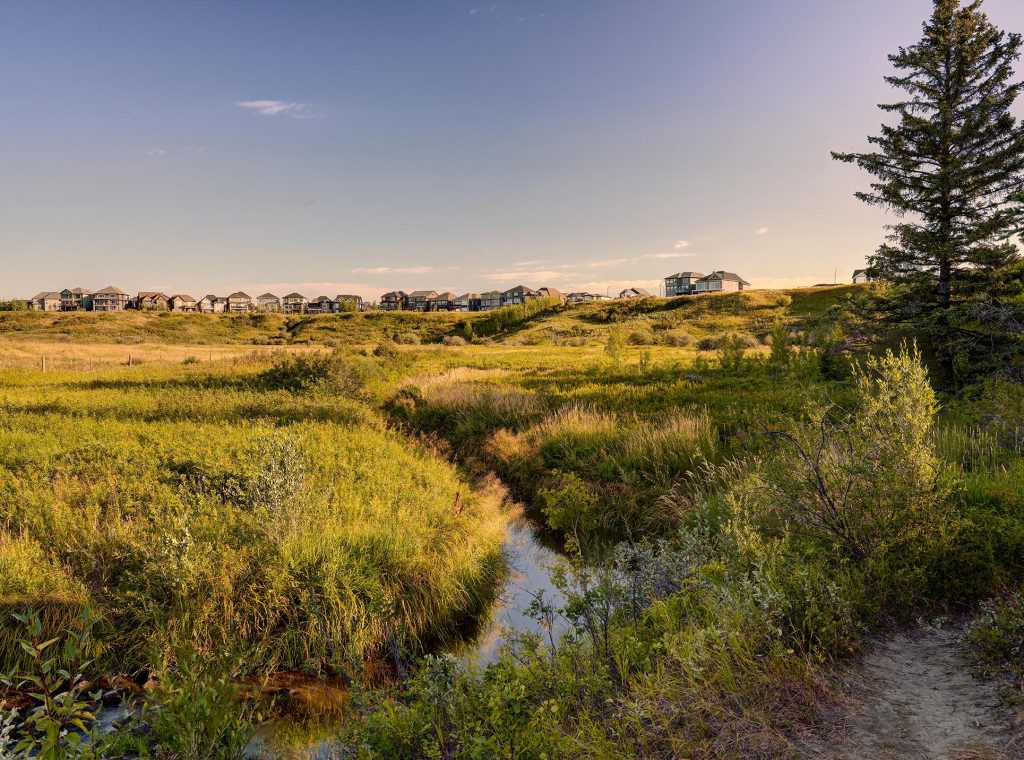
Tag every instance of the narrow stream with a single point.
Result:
(530, 566)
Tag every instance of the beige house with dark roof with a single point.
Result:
(239, 302)
(635, 293)
(720, 282)
(151, 299)
(348, 303)
(294, 303)
(183, 303)
(75, 299)
(47, 300)
(210, 304)
(110, 299)
(268, 302)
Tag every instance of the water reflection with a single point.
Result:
(530, 564)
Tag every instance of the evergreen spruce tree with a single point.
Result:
(952, 170)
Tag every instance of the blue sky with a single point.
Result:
(205, 145)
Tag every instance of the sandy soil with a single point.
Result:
(913, 696)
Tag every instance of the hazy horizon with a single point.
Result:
(343, 147)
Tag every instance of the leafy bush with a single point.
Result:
(731, 352)
(616, 344)
(677, 338)
(454, 340)
(198, 709)
(868, 481)
(332, 372)
(63, 724)
(408, 339)
(996, 636)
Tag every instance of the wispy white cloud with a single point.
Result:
(395, 270)
(156, 152)
(533, 263)
(681, 244)
(484, 10)
(676, 255)
(762, 231)
(277, 108)
(608, 263)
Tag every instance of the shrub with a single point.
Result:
(996, 635)
(731, 351)
(677, 338)
(385, 351)
(641, 336)
(331, 372)
(616, 344)
(779, 341)
(408, 339)
(454, 340)
(197, 710)
(868, 481)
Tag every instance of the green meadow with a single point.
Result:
(741, 487)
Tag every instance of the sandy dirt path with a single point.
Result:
(913, 696)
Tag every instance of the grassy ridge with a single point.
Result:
(752, 311)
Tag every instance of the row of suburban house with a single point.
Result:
(115, 299)
(684, 283)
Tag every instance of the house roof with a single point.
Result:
(522, 289)
(212, 298)
(468, 297)
(491, 294)
(240, 294)
(78, 291)
(348, 298)
(684, 275)
(423, 294)
(448, 296)
(182, 297)
(151, 294)
(321, 299)
(859, 271)
(46, 295)
(725, 276)
(268, 295)
(638, 291)
(550, 292)
(295, 295)
(111, 291)
(395, 293)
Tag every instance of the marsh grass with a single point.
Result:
(221, 511)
